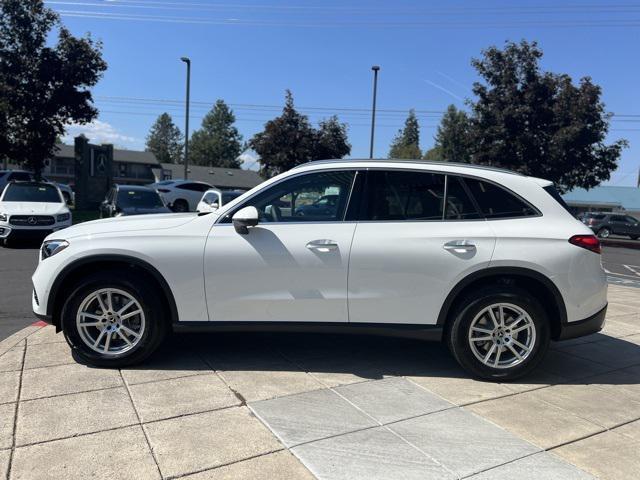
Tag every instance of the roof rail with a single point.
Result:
(402, 161)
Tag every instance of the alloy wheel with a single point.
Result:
(502, 335)
(110, 321)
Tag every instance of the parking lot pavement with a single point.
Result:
(266, 406)
(622, 266)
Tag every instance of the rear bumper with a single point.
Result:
(589, 325)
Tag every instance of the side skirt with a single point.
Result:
(422, 332)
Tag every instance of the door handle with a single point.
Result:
(459, 246)
(322, 245)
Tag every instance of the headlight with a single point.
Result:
(51, 247)
(63, 217)
(3, 217)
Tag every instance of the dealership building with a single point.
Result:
(604, 198)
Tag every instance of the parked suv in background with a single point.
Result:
(604, 224)
(181, 195)
(31, 209)
(124, 200)
(7, 176)
(484, 259)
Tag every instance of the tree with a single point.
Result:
(218, 142)
(289, 140)
(406, 143)
(452, 142)
(540, 123)
(434, 154)
(165, 140)
(331, 140)
(43, 88)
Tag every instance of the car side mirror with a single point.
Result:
(214, 205)
(244, 218)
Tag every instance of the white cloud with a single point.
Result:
(249, 160)
(101, 132)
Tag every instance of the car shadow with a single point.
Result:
(603, 360)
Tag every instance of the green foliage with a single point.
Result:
(42, 88)
(218, 142)
(165, 140)
(539, 123)
(434, 154)
(453, 137)
(406, 144)
(289, 140)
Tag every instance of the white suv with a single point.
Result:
(487, 260)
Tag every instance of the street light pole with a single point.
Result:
(186, 122)
(375, 69)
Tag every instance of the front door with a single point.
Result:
(293, 265)
(409, 250)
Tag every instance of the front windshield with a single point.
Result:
(138, 199)
(29, 192)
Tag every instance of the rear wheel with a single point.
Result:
(180, 206)
(499, 333)
(112, 321)
(604, 232)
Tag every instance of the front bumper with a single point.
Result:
(589, 325)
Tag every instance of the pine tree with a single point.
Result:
(165, 140)
(452, 142)
(406, 143)
(218, 142)
(331, 140)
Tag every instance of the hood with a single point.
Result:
(131, 223)
(32, 208)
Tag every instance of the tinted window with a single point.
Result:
(210, 197)
(138, 199)
(595, 216)
(398, 195)
(618, 218)
(496, 202)
(459, 205)
(20, 176)
(194, 187)
(2, 174)
(551, 190)
(295, 200)
(631, 219)
(28, 192)
(228, 196)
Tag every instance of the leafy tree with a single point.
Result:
(540, 123)
(165, 140)
(43, 88)
(406, 143)
(433, 154)
(289, 140)
(453, 137)
(218, 143)
(331, 140)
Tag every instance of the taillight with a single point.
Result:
(590, 242)
(163, 190)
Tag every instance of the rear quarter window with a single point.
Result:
(496, 202)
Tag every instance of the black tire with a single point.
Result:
(457, 334)
(633, 237)
(180, 206)
(155, 325)
(604, 232)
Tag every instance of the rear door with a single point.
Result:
(411, 246)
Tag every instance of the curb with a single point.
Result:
(13, 340)
(609, 242)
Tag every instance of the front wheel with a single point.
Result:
(604, 233)
(499, 333)
(113, 320)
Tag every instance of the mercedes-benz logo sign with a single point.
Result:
(32, 220)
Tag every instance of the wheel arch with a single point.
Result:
(60, 288)
(535, 282)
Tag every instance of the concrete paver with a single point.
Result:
(463, 442)
(535, 467)
(169, 362)
(392, 399)
(12, 359)
(571, 367)
(368, 455)
(47, 355)
(9, 382)
(181, 396)
(206, 440)
(310, 416)
(280, 465)
(461, 390)
(65, 379)
(7, 414)
(120, 454)
(45, 335)
(536, 421)
(608, 455)
(616, 353)
(70, 415)
(5, 455)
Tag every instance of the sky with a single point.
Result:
(248, 52)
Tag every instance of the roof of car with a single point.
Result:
(134, 187)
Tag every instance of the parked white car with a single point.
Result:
(32, 209)
(486, 260)
(181, 195)
(7, 176)
(213, 199)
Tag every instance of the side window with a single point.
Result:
(297, 199)
(194, 187)
(20, 177)
(496, 202)
(459, 205)
(618, 218)
(401, 195)
(210, 197)
(631, 220)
